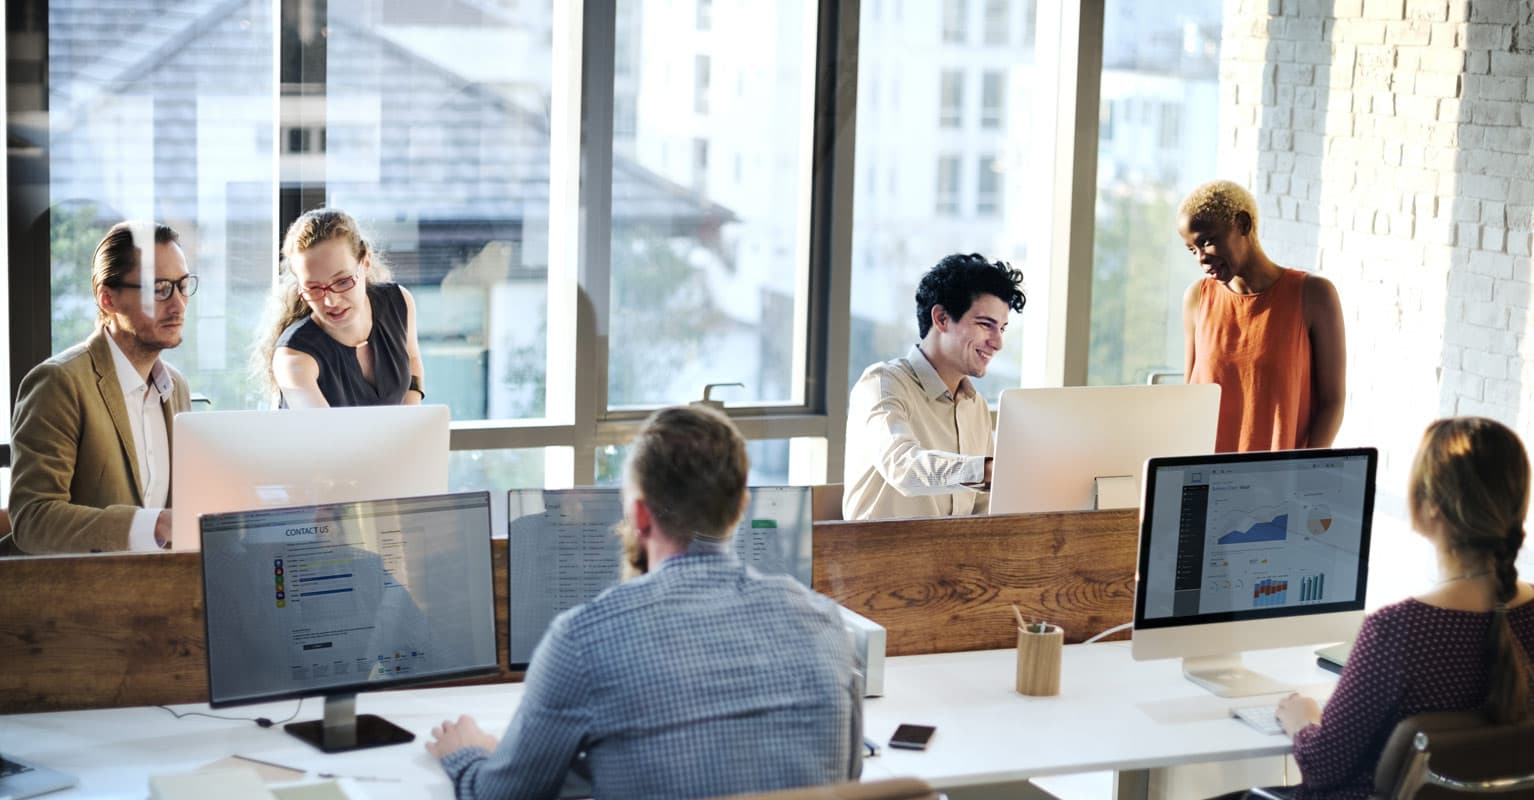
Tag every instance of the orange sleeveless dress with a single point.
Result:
(1257, 348)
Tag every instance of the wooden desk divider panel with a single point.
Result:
(126, 629)
(947, 584)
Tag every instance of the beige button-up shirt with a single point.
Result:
(912, 446)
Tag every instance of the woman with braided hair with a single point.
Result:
(1463, 645)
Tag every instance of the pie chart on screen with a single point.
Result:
(1319, 520)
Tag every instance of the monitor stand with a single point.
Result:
(343, 730)
(1226, 676)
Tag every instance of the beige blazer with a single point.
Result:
(75, 480)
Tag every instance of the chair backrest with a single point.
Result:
(896, 789)
(1428, 754)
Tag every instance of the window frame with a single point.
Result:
(582, 128)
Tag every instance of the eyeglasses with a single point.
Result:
(316, 294)
(162, 289)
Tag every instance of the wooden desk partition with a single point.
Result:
(114, 630)
(127, 629)
(947, 585)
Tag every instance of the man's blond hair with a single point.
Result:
(689, 464)
(1218, 202)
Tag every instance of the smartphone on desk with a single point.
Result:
(912, 737)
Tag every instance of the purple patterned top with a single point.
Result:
(1409, 658)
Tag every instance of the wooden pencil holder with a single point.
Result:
(1038, 659)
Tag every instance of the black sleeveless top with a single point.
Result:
(340, 376)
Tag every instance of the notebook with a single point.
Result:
(1334, 656)
(20, 778)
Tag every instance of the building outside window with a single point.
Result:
(951, 99)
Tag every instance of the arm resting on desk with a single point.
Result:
(1361, 712)
(544, 735)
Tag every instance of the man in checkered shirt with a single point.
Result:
(699, 678)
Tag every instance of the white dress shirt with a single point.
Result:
(913, 448)
(151, 441)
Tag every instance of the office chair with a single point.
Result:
(1454, 754)
(895, 789)
(1157, 377)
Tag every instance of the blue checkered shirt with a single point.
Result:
(704, 678)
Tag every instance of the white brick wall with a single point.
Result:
(1389, 144)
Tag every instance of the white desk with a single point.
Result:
(1112, 714)
(114, 751)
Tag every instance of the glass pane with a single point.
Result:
(946, 123)
(501, 470)
(1159, 123)
(166, 116)
(708, 281)
(774, 462)
(437, 139)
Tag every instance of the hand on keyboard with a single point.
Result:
(1263, 718)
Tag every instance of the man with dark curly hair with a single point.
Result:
(918, 434)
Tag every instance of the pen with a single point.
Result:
(334, 776)
(270, 764)
(871, 746)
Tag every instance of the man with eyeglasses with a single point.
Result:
(91, 428)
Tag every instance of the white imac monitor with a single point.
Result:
(245, 460)
(1080, 448)
(1249, 551)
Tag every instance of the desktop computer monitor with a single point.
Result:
(242, 460)
(339, 598)
(1078, 448)
(563, 551)
(1249, 551)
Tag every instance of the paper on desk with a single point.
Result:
(268, 772)
(225, 784)
(329, 790)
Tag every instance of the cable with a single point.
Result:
(262, 721)
(1110, 631)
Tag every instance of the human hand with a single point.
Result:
(1296, 711)
(162, 529)
(453, 736)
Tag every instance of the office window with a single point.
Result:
(706, 284)
(954, 12)
(987, 187)
(1160, 113)
(1170, 134)
(498, 471)
(947, 185)
(142, 129)
(699, 164)
(439, 161)
(998, 22)
(700, 81)
(774, 462)
(993, 99)
(913, 217)
(951, 99)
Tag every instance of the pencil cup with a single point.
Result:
(1038, 659)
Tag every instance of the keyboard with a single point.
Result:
(1263, 718)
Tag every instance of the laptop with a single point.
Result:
(19, 778)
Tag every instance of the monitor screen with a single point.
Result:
(563, 551)
(1078, 448)
(240, 460)
(342, 597)
(1251, 536)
